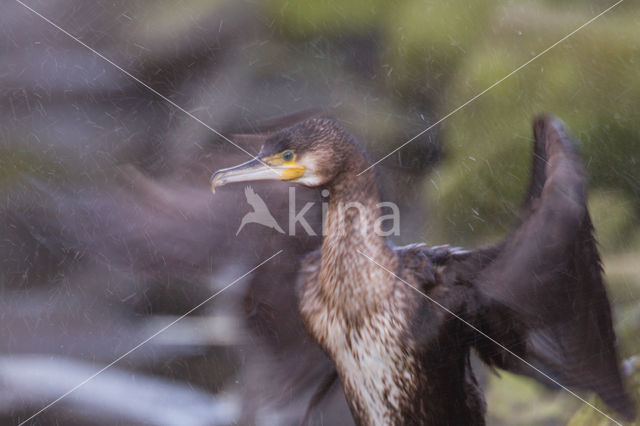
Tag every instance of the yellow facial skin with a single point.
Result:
(289, 170)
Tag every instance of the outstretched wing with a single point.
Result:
(542, 289)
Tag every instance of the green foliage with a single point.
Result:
(302, 19)
(590, 81)
(426, 40)
(614, 217)
(515, 399)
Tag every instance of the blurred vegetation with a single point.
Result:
(512, 399)
(589, 81)
(302, 19)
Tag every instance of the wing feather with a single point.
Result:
(544, 295)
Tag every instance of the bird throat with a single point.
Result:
(353, 312)
(351, 235)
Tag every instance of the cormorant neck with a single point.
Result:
(352, 227)
(353, 216)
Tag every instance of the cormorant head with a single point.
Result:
(312, 153)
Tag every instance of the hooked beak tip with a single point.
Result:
(215, 182)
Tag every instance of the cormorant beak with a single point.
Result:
(269, 168)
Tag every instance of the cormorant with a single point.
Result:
(399, 323)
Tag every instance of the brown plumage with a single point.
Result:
(399, 322)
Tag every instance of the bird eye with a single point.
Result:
(287, 156)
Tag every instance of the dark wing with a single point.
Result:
(542, 291)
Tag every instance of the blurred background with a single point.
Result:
(109, 232)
